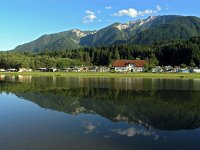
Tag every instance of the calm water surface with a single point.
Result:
(62, 113)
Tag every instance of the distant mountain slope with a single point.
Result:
(116, 33)
(166, 28)
(106, 36)
(143, 31)
(58, 41)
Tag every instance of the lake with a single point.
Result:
(80, 113)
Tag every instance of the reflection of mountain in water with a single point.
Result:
(161, 109)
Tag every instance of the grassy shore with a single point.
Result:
(111, 75)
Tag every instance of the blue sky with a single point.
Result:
(22, 21)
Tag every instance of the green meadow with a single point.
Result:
(108, 74)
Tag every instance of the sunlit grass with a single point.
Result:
(108, 74)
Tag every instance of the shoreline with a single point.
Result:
(107, 74)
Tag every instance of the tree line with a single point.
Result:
(172, 53)
(35, 61)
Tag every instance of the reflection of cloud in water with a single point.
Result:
(131, 132)
(128, 132)
(156, 137)
(107, 136)
(89, 127)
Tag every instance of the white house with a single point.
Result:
(197, 70)
(12, 70)
(25, 70)
(52, 70)
(128, 65)
(2, 70)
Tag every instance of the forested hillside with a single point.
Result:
(172, 53)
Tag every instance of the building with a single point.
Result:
(128, 65)
(47, 69)
(12, 70)
(52, 70)
(43, 69)
(157, 69)
(25, 70)
(93, 69)
(103, 69)
(2, 70)
(196, 70)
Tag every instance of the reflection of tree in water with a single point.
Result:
(164, 109)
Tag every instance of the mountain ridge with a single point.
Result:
(142, 31)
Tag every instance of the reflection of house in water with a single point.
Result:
(8, 78)
(19, 78)
(24, 79)
(129, 83)
(2, 77)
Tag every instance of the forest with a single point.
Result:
(173, 53)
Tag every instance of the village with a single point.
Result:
(118, 66)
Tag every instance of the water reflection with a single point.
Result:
(136, 84)
(89, 126)
(131, 132)
(165, 104)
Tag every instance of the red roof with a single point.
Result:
(124, 63)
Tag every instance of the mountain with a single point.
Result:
(166, 28)
(143, 31)
(58, 41)
(117, 33)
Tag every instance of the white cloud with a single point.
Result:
(133, 13)
(90, 17)
(146, 12)
(130, 12)
(108, 7)
(89, 12)
(158, 8)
